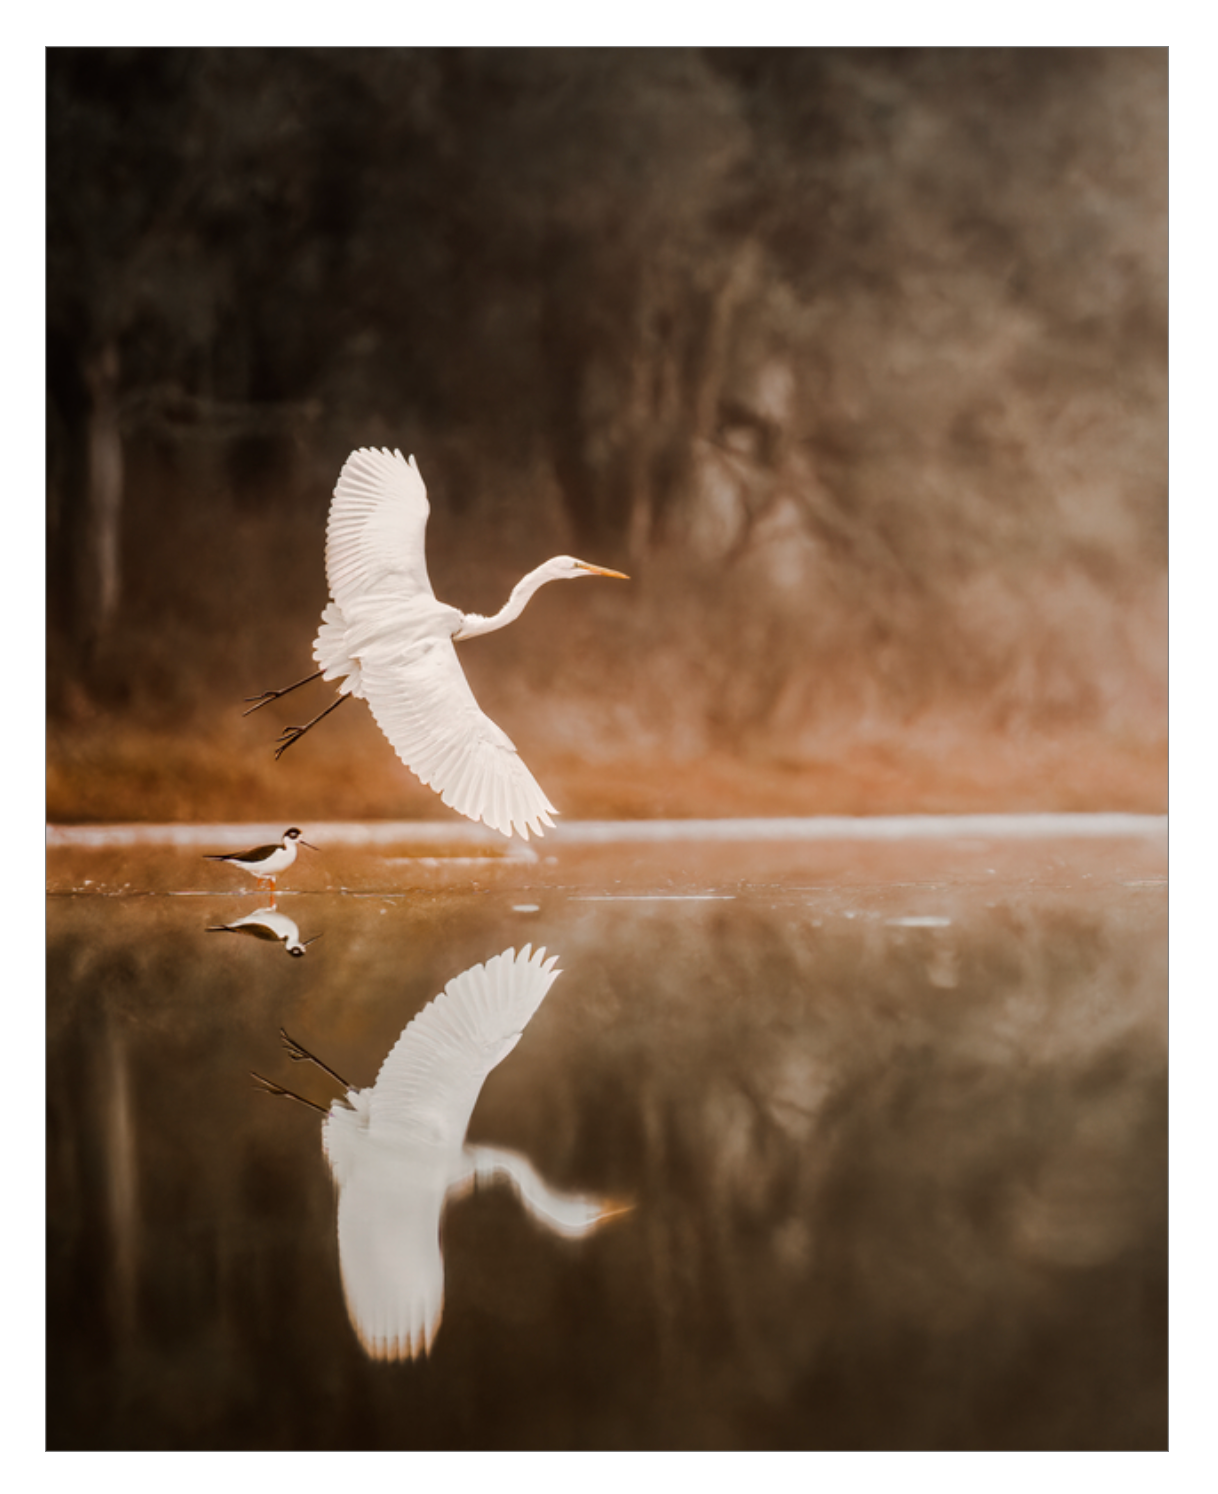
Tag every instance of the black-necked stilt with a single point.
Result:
(397, 1150)
(388, 641)
(266, 862)
(267, 923)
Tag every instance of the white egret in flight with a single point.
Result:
(268, 923)
(387, 640)
(397, 1150)
(266, 862)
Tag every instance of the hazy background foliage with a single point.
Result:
(855, 359)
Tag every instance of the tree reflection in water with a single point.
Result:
(897, 1159)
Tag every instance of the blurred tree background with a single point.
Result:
(855, 359)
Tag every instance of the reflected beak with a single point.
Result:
(599, 570)
(314, 939)
(611, 1208)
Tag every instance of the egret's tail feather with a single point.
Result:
(330, 649)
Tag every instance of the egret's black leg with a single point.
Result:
(272, 1088)
(300, 1054)
(292, 734)
(268, 695)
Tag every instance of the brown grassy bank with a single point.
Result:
(117, 772)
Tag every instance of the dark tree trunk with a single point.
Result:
(103, 532)
(84, 499)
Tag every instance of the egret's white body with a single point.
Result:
(397, 1152)
(267, 923)
(387, 640)
(266, 862)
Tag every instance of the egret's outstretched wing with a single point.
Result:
(423, 703)
(376, 534)
(428, 1086)
(389, 1255)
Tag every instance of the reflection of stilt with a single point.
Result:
(302, 1055)
(272, 1088)
(269, 924)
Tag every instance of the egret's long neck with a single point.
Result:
(475, 624)
(571, 1214)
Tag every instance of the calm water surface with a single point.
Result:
(823, 1144)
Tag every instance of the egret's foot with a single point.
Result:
(300, 1054)
(271, 1088)
(268, 695)
(295, 1051)
(286, 737)
(268, 1085)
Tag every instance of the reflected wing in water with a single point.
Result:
(428, 1086)
(389, 1254)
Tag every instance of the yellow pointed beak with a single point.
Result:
(611, 1208)
(599, 570)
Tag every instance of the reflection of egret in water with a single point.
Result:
(267, 923)
(397, 1150)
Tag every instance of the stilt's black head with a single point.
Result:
(292, 834)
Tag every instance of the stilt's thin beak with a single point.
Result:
(301, 841)
(599, 570)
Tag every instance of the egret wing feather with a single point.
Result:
(430, 1082)
(376, 533)
(422, 701)
(390, 1259)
